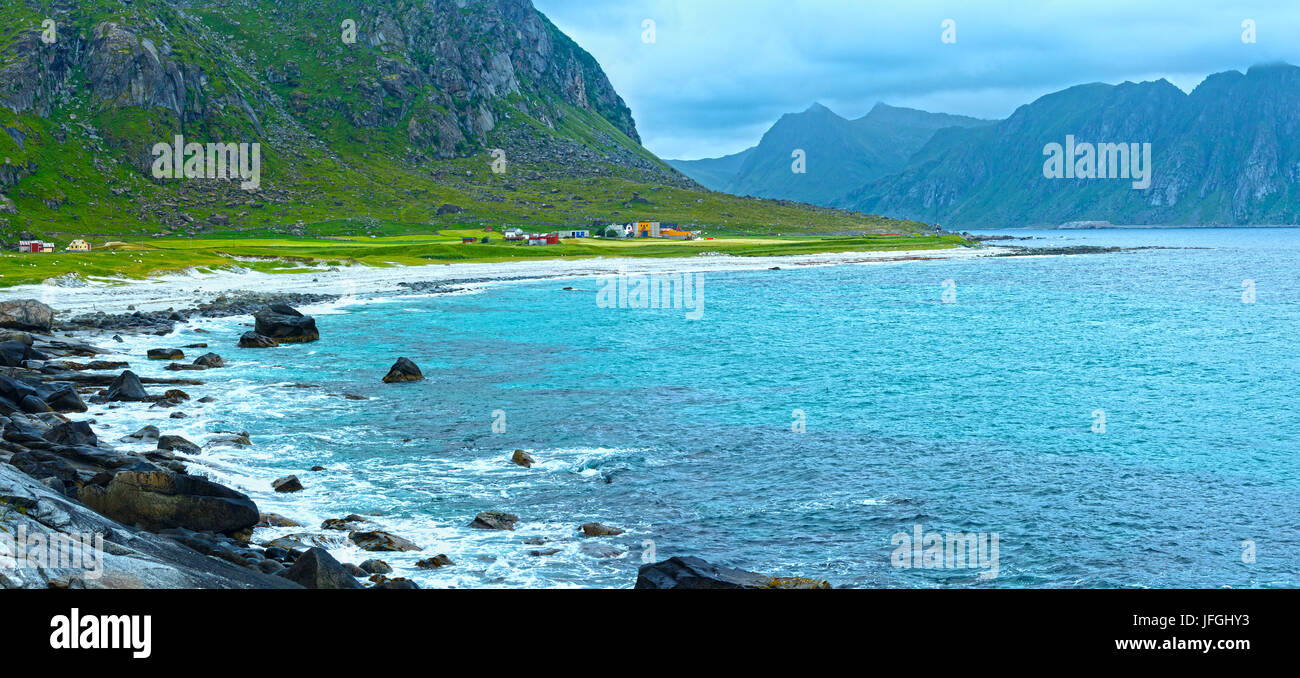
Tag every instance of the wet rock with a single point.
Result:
(696, 573)
(539, 553)
(255, 340)
(602, 551)
(350, 523)
(403, 370)
(158, 500)
(317, 569)
(16, 353)
(165, 354)
(27, 315)
(148, 434)
(177, 444)
(378, 540)
(72, 433)
(178, 415)
(598, 530)
(210, 360)
(126, 388)
(376, 567)
(276, 520)
(239, 440)
(440, 560)
(287, 484)
(355, 571)
(494, 520)
(398, 583)
(33, 405)
(285, 324)
(65, 399)
(523, 459)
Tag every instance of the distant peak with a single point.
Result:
(817, 107)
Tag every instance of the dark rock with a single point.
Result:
(14, 353)
(148, 434)
(165, 354)
(276, 520)
(285, 324)
(126, 388)
(378, 540)
(523, 459)
(598, 530)
(255, 340)
(399, 583)
(355, 571)
(350, 523)
(598, 550)
(65, 399)
(158, 500)
(317, 569)
(440, 560)
(494, 520)
(178, 444)
(696, 573)
(376, 567)
(239, 440)
(72, 433)
(448, 208)
(33, 405)
(27, 315)
(210, 360)
(403, 370)
(287, 484)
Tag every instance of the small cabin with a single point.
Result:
(468, 240)
(78, 245)
(35, 246)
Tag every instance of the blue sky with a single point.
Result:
(720, 72)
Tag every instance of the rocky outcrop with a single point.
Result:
(285, 324)
(696, 573)
(256, 340)
(28, 315)
(127, 388)
(599, 530)
(158, 500)
(403, 370)
(522, 458)
(378, 540)
(494, 520)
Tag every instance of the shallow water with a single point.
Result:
(970, 416)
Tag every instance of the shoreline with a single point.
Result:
(185, 290)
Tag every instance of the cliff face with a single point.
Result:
(422, 80)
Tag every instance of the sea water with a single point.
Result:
(1116, 420)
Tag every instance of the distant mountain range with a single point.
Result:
(840, 155)
(1228, 153)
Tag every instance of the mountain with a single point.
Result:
(1228, 153)
(840, 155)
(371, 117)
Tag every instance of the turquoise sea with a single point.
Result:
(979, 413)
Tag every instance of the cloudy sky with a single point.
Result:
(720, 72)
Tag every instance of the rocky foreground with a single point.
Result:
(160, 525)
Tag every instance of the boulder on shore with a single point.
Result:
(26, 315)
(285, 324)
(494, 520)
(126, 388)
(403, 370)
(210, 360)
(317, 569)
(255, 340)
(160, 500)
(287, 484)
(378, 540)
(165, 354)
(176, 444)
(696, 573)
(72, 433)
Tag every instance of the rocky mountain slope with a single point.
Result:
(371, 117)
(1225, 154)
(840, 154)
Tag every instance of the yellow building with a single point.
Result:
(79, 246)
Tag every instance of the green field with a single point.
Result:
(150, 256)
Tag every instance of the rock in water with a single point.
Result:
(403, 370)
(66, 400)
(523, 459)
(126, 387)
(165, 354)
(598, 530)
(317, 569)
(148, 434)
(494, 520)
(177, 444)
(255, 340)
(27, 315)
(696, 573)
(440, 560)
(285, 324)
(376, 567)
(72, 433)
(378, 540)
(287, 484)
(160, 500)
(210, 360)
